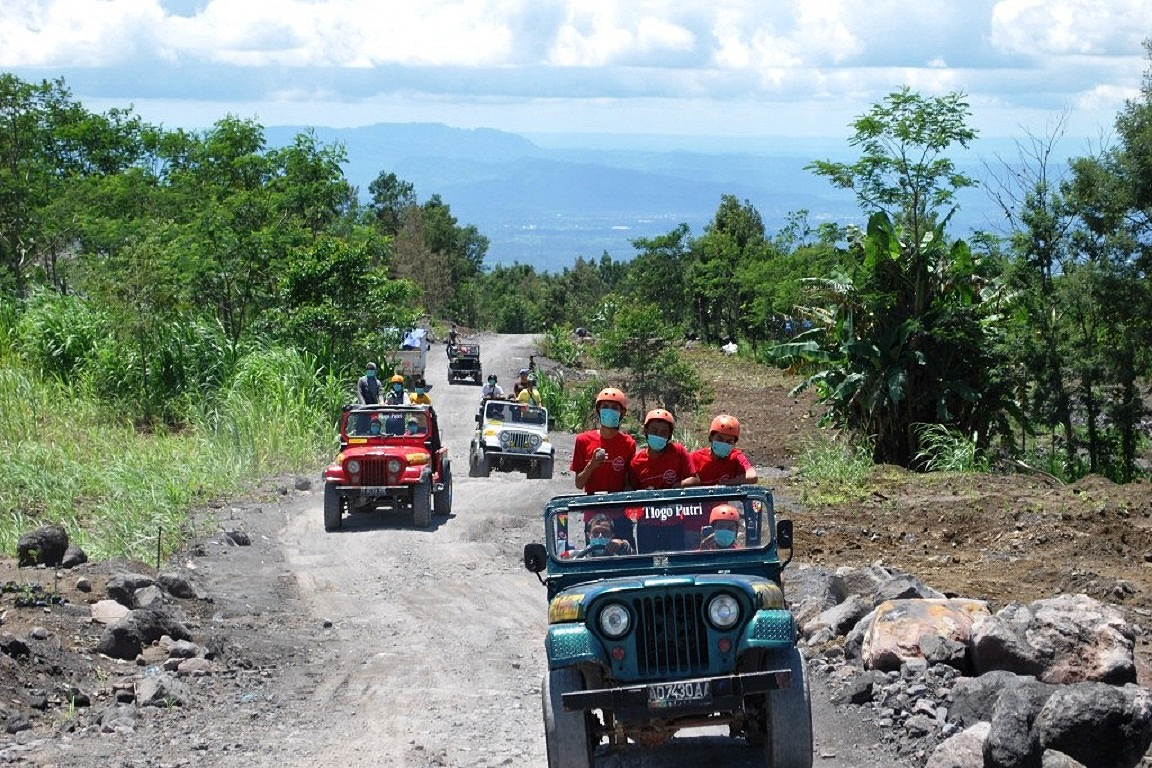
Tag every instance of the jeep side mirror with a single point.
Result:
(784, 538)
(784, 534)
(535, 557)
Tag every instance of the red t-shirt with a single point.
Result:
(660, 469)
(714, 470)
(612, 474)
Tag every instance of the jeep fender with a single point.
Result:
(772, 628)
(570, 644)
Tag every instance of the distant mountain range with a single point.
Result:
(546, 199)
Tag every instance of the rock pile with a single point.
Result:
(952, 685)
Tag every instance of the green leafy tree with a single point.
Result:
(640, 342)
(905, 336)
(658, 274)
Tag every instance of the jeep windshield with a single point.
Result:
(386, 422)
(510, 412)
(645, 524)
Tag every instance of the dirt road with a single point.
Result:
(408, 647)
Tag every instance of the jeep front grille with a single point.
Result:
(519, 441)
(671, 637)
(373, 472)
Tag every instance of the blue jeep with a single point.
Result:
(666, 611)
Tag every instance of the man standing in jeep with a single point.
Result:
(601, 456)
(368, 387)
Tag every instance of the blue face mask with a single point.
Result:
(657, 443)
(370, 374)
(598, 543)
(721, 448)
(419, 390)
(725, 538)
(397, 388)
(609, 417)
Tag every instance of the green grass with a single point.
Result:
(66, 459)
(832, 470)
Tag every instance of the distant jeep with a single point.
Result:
(390, 458)
(511, 437)
(657, 622)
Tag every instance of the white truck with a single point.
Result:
(411, 358)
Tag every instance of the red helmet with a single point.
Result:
(724, 512)
(659, 414)
(725, 425)
(612, 395)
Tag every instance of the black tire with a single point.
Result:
(422, 505)
(443, 499)
(478, 464)
(545, 471)
(565, 733)
(333, 508)
(788, 735)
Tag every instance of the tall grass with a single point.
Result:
(832, 468)
(569, 403)
(70, 460)
(944, 450)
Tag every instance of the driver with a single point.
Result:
(725, 522)
(602, 539)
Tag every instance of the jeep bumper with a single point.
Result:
(668, 698)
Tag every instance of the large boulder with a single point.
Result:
(1065, 639)
(127, 637)
(44, 546)
(902, 630)
(1100, 725)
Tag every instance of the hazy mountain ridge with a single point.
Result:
(546, 205)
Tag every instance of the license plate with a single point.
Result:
(375, 490)
(669, 695)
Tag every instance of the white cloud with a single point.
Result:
(1056, 27)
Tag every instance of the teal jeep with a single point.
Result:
(658, 621)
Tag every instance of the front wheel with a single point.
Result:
(422, 505)
(566, 733)
(787, 730)
(333, 508)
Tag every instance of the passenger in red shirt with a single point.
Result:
(662, 463)
(601, 456)
(721, 463)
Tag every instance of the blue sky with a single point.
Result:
(753, 68)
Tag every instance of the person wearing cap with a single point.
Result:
(521, 383)
(491, 390)
(601, 455)
(662, 463)
(395, 394)
(419, 394)
(725, 522)
(368, 387)
(720, 462)
(529, 394)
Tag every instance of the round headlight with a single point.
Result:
(394, 465)
(723, 611)
(353, 467)
(615, 620)
(534, 441)
(504, 438)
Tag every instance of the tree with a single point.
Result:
(657, 275)
(639, 341)
(904, 337)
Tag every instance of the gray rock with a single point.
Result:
(1012, 741)
(44, 546)
(974, 698)
(1054, 759)
(1097, 724)
(177, 585)
(302, 483)
(162, 690)
(117, 717)
(843, 617)
(964, 750)
(127, 637)
(122, 587)
(904, 587)
(238, 537)
(149, 597)
(73, 556)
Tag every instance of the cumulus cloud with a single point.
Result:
(1059, 52)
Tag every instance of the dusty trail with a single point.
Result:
(424, 647)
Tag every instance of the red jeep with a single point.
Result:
(390, 457)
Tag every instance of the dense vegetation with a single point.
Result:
(179, 292)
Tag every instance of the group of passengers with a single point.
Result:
(523, 389)
(371, 391)
(606, 459)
